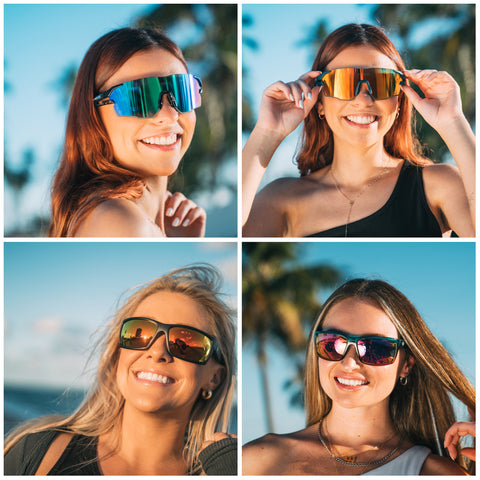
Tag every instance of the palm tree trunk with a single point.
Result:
(262, 362)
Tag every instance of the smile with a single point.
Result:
(154, 377)
(161, 140)
(351, 382)
(361, 119)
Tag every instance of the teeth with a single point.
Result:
(361, 119)
(153, 377)
(168, 140)
(351, 383)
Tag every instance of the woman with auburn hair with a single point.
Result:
(361, 171)
(162, 395)
(131, 120)
(377, 385)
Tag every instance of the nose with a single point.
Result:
(167, 113)
(351, 360)
(158, 351)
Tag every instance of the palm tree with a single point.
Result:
(279, 295)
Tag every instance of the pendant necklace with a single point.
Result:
(352, 201)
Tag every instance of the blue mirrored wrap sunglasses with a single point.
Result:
(182, 341)
(345, 83)
(143, 98)
(371, 350)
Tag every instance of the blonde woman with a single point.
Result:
(377, 386)
(162, 395)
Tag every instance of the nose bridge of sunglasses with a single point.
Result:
(366, 83)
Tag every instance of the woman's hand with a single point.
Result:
(442, 104)
(285, 105)
(183, 218)
(452, 437)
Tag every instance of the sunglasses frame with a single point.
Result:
(319, 82)
(103, 98)
(353, 340)
(165, 328)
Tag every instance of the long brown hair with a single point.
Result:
(102, 409)
(316, 150)
(421, 411)
(88, 173)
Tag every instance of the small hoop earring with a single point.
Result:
(321, 117)
(403, 381)
(398, 113)
(207, 394)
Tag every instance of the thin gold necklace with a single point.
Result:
(350, 460)
(352, 201)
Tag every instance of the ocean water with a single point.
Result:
(25, 403)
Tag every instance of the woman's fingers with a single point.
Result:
(453, 435)
(182, 211)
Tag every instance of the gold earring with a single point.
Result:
(321, 117)
(207, 394)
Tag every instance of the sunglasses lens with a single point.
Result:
(142, 98)
(137, 334)
(343, 83)
(376, 351)
(188, 344)
(330, 346)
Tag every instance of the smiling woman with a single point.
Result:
(377, 385)
(130, 122)
(166, 370)
(362, 173)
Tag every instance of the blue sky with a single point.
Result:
(57, 294)
(438, 278)
(41, 41)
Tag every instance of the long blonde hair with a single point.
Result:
(422, 410)
(102, 409)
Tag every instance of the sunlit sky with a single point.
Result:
(438, 278)
(57, 294)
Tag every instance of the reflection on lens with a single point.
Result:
(137, 334)
(188, 344)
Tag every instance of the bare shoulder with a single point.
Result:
(436, 465)
(447, 198)
(273, 207)
(54, 452)
(116, 217)
(264, 455)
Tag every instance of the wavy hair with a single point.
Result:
(88, 173)
(316, 149)
(101, 411)
(422, 410)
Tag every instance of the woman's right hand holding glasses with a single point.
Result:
(285, 105)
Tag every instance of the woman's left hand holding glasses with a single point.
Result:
(442, 104)
(183, 218)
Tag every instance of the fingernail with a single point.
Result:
(176, 222)
(169, 212)
(301, 103)
(186, 222)
(309, 95)
(291, 98)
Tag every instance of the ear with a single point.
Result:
(216, 378)
(407, 366)
(320, 109)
